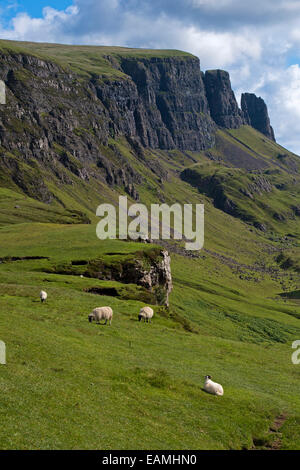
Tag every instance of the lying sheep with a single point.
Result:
(43, 295)
(101, 313)
(212, 387)
(146, 313)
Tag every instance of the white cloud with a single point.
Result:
(209, 3)
(284, 98)
(48, 28)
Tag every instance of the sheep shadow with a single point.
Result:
(207, 393)
(136, 320)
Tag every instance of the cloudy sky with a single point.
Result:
(258, 42)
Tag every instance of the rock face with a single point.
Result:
(256, 114)
(173, 97)
(163, 104)
(222, 103)
(57, 120)
(157, 278)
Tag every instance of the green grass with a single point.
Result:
(70, 384)
(88, 60)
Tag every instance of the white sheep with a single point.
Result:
(212, 387)
(43, 295)
(101, 313)
(146, 313)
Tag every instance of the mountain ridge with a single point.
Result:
(62, 120)
(120, 61)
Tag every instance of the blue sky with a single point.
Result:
(33, 8)
(258, 42)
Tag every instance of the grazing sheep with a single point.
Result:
(212, 387)
(146, 313)
(43, 295)
(101, 313)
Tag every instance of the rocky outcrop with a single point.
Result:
(228, 190)
(150, 269)
(222, 103)
(157, 277)
(259, 185)
(296, 210)
(256, 114)
(213, 186)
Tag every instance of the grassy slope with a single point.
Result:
(69, 384)
(276, 166)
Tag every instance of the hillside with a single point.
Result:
(81, 126)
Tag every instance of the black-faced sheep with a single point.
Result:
(43, 295)
(101, 313)
(212, 387)
(146, 313)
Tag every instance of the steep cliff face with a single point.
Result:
(172, 110)
(50, 120)
(256, 114)
(58, 119)
(222, 103)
